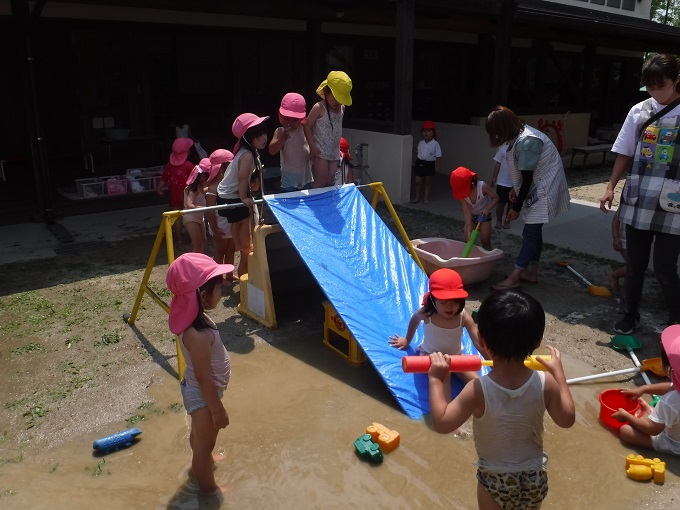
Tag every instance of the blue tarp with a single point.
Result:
(367, 275)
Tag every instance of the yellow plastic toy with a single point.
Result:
(639, 468)
(386, 438)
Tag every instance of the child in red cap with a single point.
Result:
(443, 316)
(478, 200)
(195, 281)
(429, 160)
(659, 429)
(345, 172)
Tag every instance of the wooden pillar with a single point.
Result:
(403, 69)
(501, 68)
(315, 56)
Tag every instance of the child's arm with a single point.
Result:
(642, 424)
(558, 400)
(403, 342)
(211, 200)
(245, 167)
(467, 215)
(438, 164)
(489, 192)
(199, 345)
(191, 196)
(448, 416)
(649, 389)
(278, 141)
(309, 130)
(472, 330)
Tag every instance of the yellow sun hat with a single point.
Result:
(340, 85)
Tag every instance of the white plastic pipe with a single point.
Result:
(605, 374)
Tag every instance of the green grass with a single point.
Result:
(32, 347)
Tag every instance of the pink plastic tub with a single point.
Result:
(438, 252)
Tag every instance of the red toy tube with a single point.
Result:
(460, 363)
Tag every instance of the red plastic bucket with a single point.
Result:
(611, 401)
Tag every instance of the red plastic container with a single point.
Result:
(611, 401)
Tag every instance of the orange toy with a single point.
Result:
(639, 468)
(386, 438)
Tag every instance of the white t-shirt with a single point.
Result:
(429, 151)
(503, 178)
(627, 139)
(667, 411)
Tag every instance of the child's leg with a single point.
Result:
(485, 234)
(419, 185)
(197, 234)
(499, 215)
(615, 278)
(202, 440)
(428, 186)
(240, 232)
(633, 436)
(324, 173)
(484, 499)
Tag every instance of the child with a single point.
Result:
(290, 142)
(660, 429)
(501, 180)
(194, 197)
(619, 244)
(174, 179)
(478, 200)
(219, 226)
(508, 404)
(345, 173)
(251, 133)
(429, 160)
(443, 317)
(195, 282)
(323, 128)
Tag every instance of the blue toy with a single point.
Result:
(116, 441)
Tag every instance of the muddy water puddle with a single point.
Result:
(294, 415)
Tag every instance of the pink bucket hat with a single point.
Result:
(186, 275)
(203, 167)
(670, 338)
(217, 158)
(180, 150)
(293, 105)
(461, 181)
(242, 123)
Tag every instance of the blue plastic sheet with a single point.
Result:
(367, 275)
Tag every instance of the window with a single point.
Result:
(614, 3)
(628, 5)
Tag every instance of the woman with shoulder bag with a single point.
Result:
(650, 202)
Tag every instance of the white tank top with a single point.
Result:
(296, 168)
(509, 435)
(327, 133)
(219, 360)
(482, 201)
(446, 341)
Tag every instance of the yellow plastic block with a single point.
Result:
(386, 438)
(640, 468)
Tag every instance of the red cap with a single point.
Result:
(344, 148)
(428, 124)
(461, 182)
(446, 284)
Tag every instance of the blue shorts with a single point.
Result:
(193, 398)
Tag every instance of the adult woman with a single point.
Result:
(649, 209)
(540, 190)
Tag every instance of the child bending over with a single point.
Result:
(508, 404)
(659, 429)
(478, 200)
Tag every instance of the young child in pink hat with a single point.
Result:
(659, 428)
(174, 179)
(220, 228)
(478, 199)
(237, 185)
(290, 143)
(194, 197)
(323, 128)
(195, 282)
(443, 317)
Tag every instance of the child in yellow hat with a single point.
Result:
(323, 128)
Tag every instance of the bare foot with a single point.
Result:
(498, 225)
(507, 225)
(614, 282)
(426, 201)
(529, 279)
(508, 283)
(415, 200)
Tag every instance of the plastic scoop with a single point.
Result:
(460, 363)
(593, 290)
(628, 343)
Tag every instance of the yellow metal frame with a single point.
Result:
(164, 232)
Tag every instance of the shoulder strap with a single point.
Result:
(657, 116)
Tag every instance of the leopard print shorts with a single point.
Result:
(515, 491)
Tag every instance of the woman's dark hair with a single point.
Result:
(511, 323)
(430, 309)
(502, 125)
(201, 321)
(658, 68)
